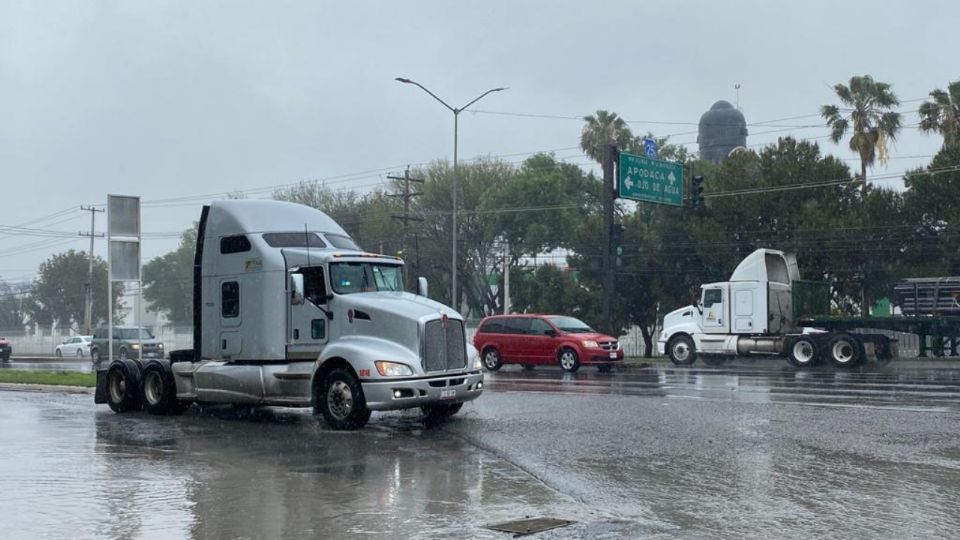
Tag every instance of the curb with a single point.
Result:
(61, 389)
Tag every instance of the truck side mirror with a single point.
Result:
(296, 289)
(422, 288)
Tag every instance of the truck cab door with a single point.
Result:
(715, 303)
(309, 324)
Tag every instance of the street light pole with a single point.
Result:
(456, 173)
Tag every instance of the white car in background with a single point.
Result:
(78, 346)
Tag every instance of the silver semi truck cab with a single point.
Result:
(289, 311)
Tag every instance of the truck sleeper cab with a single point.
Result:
(290, 312)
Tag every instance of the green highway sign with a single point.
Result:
(647, 179)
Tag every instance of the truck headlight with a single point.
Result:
(477, 364)
(135, 346)
(392, 369)
(590, 344)
(159, 345)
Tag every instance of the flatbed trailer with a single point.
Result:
(937, 334)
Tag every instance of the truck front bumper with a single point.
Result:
(661, 347)
(386, 395)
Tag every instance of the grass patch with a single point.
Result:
(63, 378)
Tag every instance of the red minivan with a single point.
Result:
(544, 340)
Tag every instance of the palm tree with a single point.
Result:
(602, 129)
(942, 114)
(866, 107)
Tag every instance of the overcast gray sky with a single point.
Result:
(180, 99)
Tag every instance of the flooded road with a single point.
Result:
(662, 452)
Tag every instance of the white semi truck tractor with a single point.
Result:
(766, 309)
(289, 311)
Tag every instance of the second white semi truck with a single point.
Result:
(289, 311)
(766, 309)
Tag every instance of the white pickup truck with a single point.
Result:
(288, 311)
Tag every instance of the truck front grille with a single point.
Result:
(444, 348)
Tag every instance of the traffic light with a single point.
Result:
(617, 240)
(696, 192)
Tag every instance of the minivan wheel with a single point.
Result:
(569, 360)
(491, 359)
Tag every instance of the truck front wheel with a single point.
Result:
(681, 350)
(340, 400)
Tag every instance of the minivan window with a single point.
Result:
(539, 327)
(493, 326)
(571, 325)
(517, 326)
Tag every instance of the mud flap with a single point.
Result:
(100, 395)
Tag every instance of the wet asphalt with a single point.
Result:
(745, 451)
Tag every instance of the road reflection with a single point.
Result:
(271, 473)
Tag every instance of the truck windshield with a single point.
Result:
(354, 277)
(571, 325)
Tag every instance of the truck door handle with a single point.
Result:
(296, 333)
(223, 344)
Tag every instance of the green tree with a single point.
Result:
(168, 281)
(601, 129)
(942, 114)
(58, 292)
(480, 257)
(932, 206)
(866, 108)
(12, 316)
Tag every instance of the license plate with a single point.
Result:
(613, 355)
(448, 394)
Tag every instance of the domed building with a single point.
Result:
(722, 129)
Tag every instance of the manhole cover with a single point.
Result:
(523, 527)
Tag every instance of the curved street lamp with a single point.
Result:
(456, 115)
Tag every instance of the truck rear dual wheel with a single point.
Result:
(803, 352)
(123, 387)
(339, 399)
(159, 390)
(845, 351)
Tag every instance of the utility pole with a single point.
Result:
(88, 300)
(506, 279)
(609, 156)
(407, 195)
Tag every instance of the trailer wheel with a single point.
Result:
(159, 390)
(681, 350)
(845, 350)
(123, 387)
(803, 352)
(340, 400)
